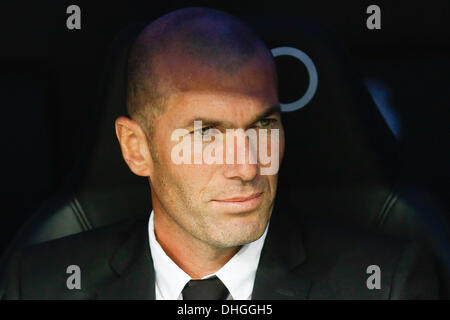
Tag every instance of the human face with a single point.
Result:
(222, 205)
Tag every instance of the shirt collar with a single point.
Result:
(238, 274)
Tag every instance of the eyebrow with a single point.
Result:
(276, 109)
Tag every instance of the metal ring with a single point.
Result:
(312, 72)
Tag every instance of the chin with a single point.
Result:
(241, 233)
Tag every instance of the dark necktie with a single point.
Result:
(206, 289)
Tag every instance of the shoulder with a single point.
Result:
(336, 238)
(82, 246)
(42, 270)
(356, 263)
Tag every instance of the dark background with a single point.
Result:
(49, 82)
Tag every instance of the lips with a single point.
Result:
(240, 198)
(238, 204)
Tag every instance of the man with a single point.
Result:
(216, 230)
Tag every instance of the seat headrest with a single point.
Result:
(104, 165)
(341, 157)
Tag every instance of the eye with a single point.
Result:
(265, 122)
(202, 131)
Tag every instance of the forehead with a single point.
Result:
(219, 103)
(232, 109)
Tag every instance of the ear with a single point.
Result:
(134, 146)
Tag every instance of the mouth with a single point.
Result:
(241, 198)
(240, 203)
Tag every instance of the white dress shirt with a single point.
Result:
(238, 274)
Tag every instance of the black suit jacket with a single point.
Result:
(322, 261)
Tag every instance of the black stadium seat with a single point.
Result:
(340, 161)
(28, 175)
(105, 190)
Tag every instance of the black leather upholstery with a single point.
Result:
(340, 160)
(100, 190)
(25, 135)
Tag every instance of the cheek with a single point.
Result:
(271, 183)
(282, 146)
(190, 180)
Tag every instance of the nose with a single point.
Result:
(243, 156)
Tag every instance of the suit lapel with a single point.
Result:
(134, 265)
(280, 274)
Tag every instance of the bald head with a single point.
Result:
(191, 49)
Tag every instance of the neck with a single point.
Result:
(193, 256)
